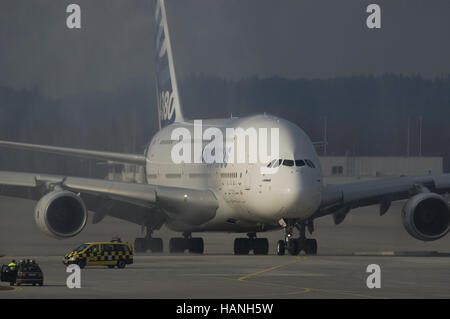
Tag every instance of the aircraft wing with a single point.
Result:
(118, 199)
(338, 200)
(136, 159)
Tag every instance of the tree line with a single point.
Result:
(365, 115)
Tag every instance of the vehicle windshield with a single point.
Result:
(81, 247)
(31, 268)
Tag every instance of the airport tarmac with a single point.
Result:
(420, 270)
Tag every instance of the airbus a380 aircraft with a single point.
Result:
(226, 197)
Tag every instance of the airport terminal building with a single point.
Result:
(346, 169)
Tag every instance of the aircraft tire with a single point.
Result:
(293, 248)
(155, 245)
(140, 245)
(311, 247)
(241, 246)
(281, 248)
(177, 245)
(261, 246)
(196, 246)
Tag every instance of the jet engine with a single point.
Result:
(61, 214)
(426, 216)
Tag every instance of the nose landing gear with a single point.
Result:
(295, 245)
(242, 246)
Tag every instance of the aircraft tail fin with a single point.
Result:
(169, 104)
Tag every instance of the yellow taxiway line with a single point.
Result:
(301, 289)
(297, 259)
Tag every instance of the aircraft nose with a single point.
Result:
(300, 195)
(291, 193)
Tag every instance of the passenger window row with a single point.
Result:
(291, 163)
(229, 175)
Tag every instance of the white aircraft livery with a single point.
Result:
(210, 189)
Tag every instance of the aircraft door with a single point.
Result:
(248, 177)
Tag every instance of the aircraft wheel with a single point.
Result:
(293, 248)
(196, 246)
(261, 246)
(311, 247)
(140, 245)
(241, 246)
(177, 245)
(281, 248)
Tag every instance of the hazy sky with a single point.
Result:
(226, 38)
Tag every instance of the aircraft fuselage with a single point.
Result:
(249, 200)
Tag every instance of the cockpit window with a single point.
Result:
(299, 163)
(289, 163)
(271, 163)
(310, 163)
(277, 163)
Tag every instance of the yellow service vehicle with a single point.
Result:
(109, 254)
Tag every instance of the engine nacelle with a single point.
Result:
(61, 214)
(426, 216)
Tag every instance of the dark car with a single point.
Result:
(8, 275)
(29, 274)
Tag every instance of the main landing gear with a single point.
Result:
(193, 244)
(155, 245)
(242, 246)
(295, 245)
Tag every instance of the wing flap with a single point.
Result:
(142, 192)
(18, 179)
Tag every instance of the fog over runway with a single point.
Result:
(339, 270)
